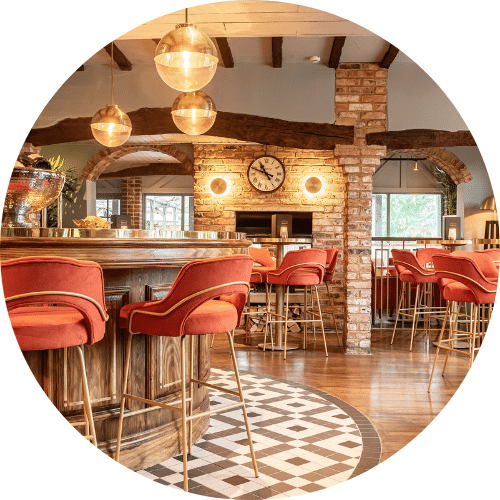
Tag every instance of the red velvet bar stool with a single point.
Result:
(462, 280)
(298, 268)
(263, 263)
(190, 308)
(332, 255)
(54, 303)
(411, 271)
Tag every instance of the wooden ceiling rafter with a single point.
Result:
(225, 51)
(420, 138)
(389, 56)
(277, 51)
(119, 57)
(151, 169)
(336, 52)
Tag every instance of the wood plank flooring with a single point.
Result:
(389, 386)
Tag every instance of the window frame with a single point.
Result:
(415, 192)
(182, 195)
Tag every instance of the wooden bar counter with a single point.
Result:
(137, 265)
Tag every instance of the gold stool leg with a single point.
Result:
(330, 301)
(124, 390)
(183, 411)
(285, 332)
(87, 408)
(453, 328)
(240, 391)
(438, 344)
(320, 318)
(401, 295)
(415, 314)
(191, 390)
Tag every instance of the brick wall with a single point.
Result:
(361, 101)
(132, 200)
(217, 212)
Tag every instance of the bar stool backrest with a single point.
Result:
(466, 271)
(404, 260)
(494, 253)
(483, 261)
(197, 282)
(307, 259)
(332, 255)
(35, 281)
(424, 255)
(261, 256)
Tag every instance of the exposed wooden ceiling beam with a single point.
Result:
(248, 128)
(225, 52)
(420, 138)
(119, 57)
(277, 47)
(338, 44)
(151, 169)
(81, 68)
(389, 56)
(156, 40)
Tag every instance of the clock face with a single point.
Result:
(266, 174)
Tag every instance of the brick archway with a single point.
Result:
(106, 156)
(444, 159)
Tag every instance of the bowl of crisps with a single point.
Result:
(92, 222)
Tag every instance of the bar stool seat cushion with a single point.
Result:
(259, 274)
(213, 316)
(457, 292)
(40, 328)
(297, 278)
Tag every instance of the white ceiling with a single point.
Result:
(249, 27)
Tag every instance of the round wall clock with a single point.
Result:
(266, 173)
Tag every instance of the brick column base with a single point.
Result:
(132, 200)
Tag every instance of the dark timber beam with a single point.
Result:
(225, 52)
(119, 57)
(151, 169)
(248, 128)
(81, 68)
(338, 44)
(420, 138)
(277, 47)
(389, 56)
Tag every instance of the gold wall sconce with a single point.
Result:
(313, 185)
(218, 186)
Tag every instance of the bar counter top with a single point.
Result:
(116, 248)
(137, 266)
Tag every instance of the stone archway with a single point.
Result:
(106, 156)
(444, 159)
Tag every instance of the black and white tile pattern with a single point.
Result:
(305, 440)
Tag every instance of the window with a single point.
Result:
(107, 207)
(169, 212)
(407, 215)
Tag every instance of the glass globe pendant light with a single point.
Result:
(194, 112)
(186, 58)
(110, 125)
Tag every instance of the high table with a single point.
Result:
(452, 245)
(137, 265)
(280, 244)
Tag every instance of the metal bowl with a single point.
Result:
(30, 190)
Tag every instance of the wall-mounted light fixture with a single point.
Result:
(415, 168)
(218, 186)
(313, 185)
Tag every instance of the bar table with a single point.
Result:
(280, 244)
(452, 245)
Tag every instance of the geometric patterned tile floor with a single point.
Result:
(304, 439)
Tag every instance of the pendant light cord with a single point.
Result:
(112, 83)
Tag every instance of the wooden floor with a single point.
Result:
(389, 386)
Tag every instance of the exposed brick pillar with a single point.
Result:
(361, 101)
(132, 200)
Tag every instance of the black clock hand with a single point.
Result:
(269, 176)
(264, 170)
